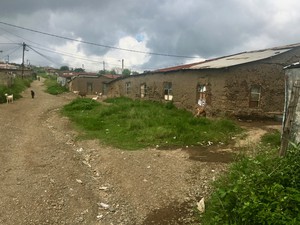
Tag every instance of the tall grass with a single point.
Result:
(134, 124)
(16, 89)
(52, 87)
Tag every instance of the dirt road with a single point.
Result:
(47, 177)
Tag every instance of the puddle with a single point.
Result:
(210, 154)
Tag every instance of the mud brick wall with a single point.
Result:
(228, 89)
(89, 85)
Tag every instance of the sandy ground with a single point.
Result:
(49, 177)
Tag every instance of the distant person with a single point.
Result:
(32, 93)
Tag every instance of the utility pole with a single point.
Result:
(122, 65)
(104, 67)
(24, 47)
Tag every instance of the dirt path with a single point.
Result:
(49, 178)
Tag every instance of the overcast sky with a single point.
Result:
(191, 30)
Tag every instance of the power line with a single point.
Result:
(44, 56)
(95, 44)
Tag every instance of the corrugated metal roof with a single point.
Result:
(294, 65)
(238, 59)
(233, 60)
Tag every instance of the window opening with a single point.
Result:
(143, 90)
(201, 90)
(168, 95)
(90, 87)
(128, 87)
(255, 95)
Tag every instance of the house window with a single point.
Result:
(255, 94)
(104, 88)
(168, 95)
(143, 90)
(90, 87)
(128, 87)
(201, 95)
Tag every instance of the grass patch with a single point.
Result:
(134, 124)
(264, 189)
(16, 89)
(54, 88)
(272, 139)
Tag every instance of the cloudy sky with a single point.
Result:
(145, 34)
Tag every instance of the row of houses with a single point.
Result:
(247, 84)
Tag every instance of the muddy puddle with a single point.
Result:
(210, 154)
(173, 214)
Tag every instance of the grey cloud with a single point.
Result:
(208, 28)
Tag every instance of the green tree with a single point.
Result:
(126, 72)
(79, 70)
(102, 72)
(64, 68)
(113, 72)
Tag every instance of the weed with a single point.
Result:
(264, 189)
(273, 139)
(16, 89)
(53, 87)
(134, 124)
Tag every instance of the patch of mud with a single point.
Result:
(173, 214)
(210, 154)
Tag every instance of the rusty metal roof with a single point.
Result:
(238, 59)
(233, 60)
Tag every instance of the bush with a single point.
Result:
(260, 190)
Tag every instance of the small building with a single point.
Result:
(65, 77)
(10, 71)
(247, 84)
(90, 83)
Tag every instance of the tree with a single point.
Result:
(79, 70)
(64, 68)
(126, 72)
(135, 73)
(113, 72)
(102, 72)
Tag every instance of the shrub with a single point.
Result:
(260, 190)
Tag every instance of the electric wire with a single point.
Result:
(95, 44)
(44, 56)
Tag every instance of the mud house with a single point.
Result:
(291, 119)
(10, 71)
(90, 83)
(249, 84)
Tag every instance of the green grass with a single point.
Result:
(134, 124)
(16, 89)
(272, 139)
(260, 190)
(52, 87)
